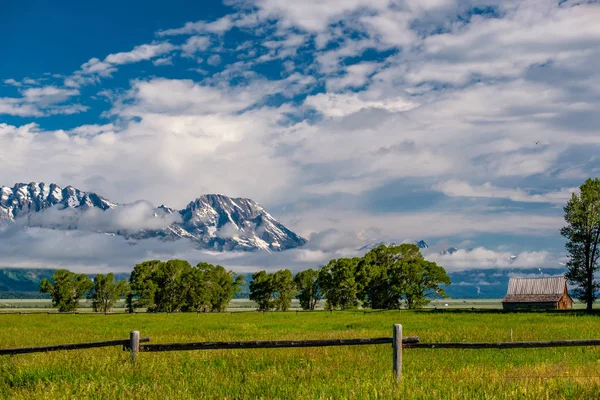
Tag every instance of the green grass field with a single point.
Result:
(12, 305)
(362, 372)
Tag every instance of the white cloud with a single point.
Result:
(485, 258)
(163, 61)
(90, 131)
(218, 26)
(507, 99)
(394, 226)
(195, 44)
(48, 95)
(185, 97)
(456, 188)
(41, 101)
(139, 53)
(130, 217)
(340, 105)
(185, 129)
(94, 68)
(12, 82)
(314, 15)
(12, 106)
(214, 60)
(355, 76)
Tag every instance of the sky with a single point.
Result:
(464, 123)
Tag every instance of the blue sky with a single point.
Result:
(464, 123)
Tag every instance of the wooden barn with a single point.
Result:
(537, 293)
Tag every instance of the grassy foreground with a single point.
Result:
(363, 372)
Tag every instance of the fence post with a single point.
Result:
(134, 343)
(397, 344)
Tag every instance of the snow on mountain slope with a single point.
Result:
(25, 198)
(211, 221)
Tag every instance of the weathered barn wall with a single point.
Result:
(530, 306)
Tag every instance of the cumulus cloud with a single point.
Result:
(163, 61)
(48, 95)
(12, 82)
(41, 101)
(195, 44)
(132, 217)
(139, 53)
(485, 258)
(340, 105)
(394, 226)
(314, 15)
(457, 188)
(86, 252)
(214, 60)
(94, 68)
(376, 100)
(220, 25)
(228, 231)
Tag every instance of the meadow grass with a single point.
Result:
(361, 372)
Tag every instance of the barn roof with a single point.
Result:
(529, 290)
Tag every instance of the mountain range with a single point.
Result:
(212, 221)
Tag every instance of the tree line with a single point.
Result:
(386, 277)
(157, 286)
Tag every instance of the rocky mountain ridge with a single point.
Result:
(212, 221)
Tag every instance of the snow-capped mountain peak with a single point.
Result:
(24, 198)
(212, 221)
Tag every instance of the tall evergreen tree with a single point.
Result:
(582, 215)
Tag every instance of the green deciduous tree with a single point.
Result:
(220, 284)
(338, 283)
(389, 275)
(261, 290)
(424, 280)
(169, 279)
(582, 215)
(159, 286)
(177, 286)
(309, 291)
(284, 289)
(197, 294)
(66, 289)
(143, 286)
(106, 292)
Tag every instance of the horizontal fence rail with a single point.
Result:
(272, 344)
(504, 345)
(76, 346)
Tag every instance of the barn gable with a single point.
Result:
(537, 292)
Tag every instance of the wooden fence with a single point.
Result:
(135, 345)
(126, 343)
